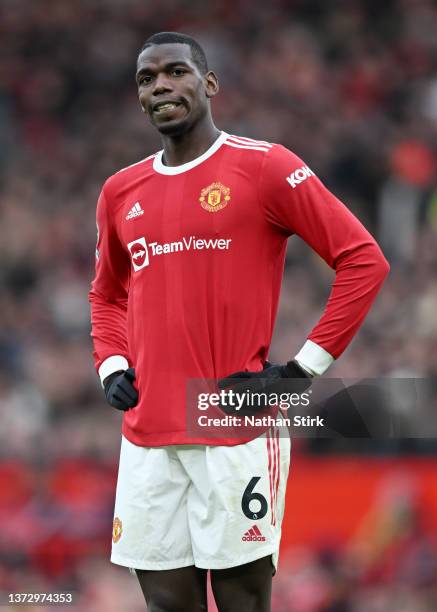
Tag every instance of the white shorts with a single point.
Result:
(214, 507)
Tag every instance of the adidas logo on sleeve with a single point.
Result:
(135, 211)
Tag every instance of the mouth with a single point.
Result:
(162, 108)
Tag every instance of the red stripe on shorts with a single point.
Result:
(278, 473)
(270, 459)
(275, 470)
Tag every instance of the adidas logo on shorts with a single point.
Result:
(253, 535)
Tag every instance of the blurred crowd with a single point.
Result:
(389, 563)
(56, 538)
(349, 86)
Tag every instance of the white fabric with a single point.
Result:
(112, 364)
(314, 358)
(181, 505)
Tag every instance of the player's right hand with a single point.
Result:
(119, 389)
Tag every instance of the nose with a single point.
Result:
(162, 84)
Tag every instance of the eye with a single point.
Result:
(178, 71)
(144, 79)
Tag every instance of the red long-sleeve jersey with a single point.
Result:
(189, 263)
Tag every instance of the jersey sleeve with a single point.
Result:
(108, 297)
(296, 202)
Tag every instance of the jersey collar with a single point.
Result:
(159, 167)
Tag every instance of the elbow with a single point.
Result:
(386, 267)
(380, 265)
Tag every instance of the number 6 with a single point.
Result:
(249, 496)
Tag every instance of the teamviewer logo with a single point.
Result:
(139, 253)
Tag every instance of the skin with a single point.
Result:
(168, 73)
(245, 587)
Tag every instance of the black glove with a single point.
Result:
(272, 379)
(119, 389)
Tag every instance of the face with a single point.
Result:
(171, 89)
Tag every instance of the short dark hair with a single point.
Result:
(163, 38)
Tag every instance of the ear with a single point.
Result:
(211, 84)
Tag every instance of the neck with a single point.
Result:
(185, 147)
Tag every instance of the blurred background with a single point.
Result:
(351, 87)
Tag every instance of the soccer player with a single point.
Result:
(189, 261)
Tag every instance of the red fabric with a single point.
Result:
(204, 313)
(323, 222)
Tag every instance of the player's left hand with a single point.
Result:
(288, 378)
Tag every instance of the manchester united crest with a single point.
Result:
(117, 530)
(214, 197)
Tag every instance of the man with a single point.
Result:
(190, 256)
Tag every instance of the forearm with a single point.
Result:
(359, 276)
(109, 334)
